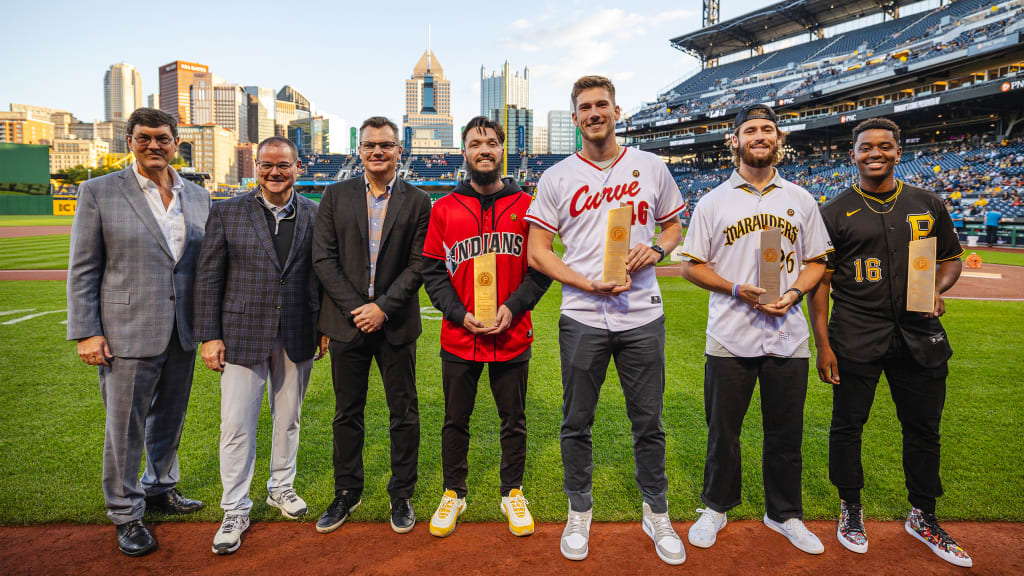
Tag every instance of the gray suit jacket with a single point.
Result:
(123, 282)
(244, 295)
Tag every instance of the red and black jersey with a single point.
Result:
(465, 224)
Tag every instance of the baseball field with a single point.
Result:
(51, 431)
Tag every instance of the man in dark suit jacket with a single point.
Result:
(257, 301)
(134, 245)
(367, 250)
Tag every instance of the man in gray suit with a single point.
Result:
(257, 302)
(134, 246)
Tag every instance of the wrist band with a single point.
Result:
(735, 290)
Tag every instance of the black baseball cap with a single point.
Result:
(755, 112)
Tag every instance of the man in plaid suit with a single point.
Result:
(257, 302)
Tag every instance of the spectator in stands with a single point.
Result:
(992, 218)
(958, 221)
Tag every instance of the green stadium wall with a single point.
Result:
(25, 168)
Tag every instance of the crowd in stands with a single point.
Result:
(799, 69)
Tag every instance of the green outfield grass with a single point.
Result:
(38, 220)
(51, 432)
(48, 252)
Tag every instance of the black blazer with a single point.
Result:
(244, 295)
(341, 258)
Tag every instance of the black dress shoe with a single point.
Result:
(403, 518)
(134, 539)
(339, 511)
(172, 502)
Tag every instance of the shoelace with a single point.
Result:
(289, 496)
(577, 523)
(231, 523)
(706, 521)
(519, 505)
(445, 509)
(854, 521)
(932, 524)
(662, 527)
(796, 527)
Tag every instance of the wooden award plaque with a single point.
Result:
(616, 246)
(921, 275)
(485, 288)
(769, 266)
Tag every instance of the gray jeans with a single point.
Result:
(640, 362)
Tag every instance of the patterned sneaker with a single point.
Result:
(797, 533)
(704, 531)
(289, 503)
(442, 523)
(667, 543)
(229, 536)
(851, 533)
(925, 527)
(513, 506)
(576, 536)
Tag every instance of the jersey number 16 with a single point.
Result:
(872, 267)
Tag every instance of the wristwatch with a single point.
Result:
(799, 294)
(661, 252)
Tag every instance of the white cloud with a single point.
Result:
(521, 24)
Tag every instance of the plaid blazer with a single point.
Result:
(341, 255)
(244, 295)
(123, 281)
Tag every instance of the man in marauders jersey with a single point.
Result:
(871, 331)
(749, 343)
(484, 214)
(601, 320)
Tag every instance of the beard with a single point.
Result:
(748, 158)
(484, 178)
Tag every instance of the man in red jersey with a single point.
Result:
(482, 215)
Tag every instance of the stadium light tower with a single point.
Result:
(710, 18)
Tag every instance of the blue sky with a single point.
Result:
(351, 59)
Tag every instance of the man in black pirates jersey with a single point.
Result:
(871, 225)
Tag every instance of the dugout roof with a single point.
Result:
(776, 22)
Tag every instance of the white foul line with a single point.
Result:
(9, 312)
(31, 316)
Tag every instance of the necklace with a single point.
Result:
(863, 197)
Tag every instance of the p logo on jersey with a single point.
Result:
(920, 225)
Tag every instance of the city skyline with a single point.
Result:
(351, 69)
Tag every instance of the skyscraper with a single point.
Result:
(561, 132)
(231, 109)
(502, 83)
(176, 88)
(261, 106)
(428, 105)
(201, 98)
(122, 92)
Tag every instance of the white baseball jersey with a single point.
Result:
(724, 234)
(573, 198)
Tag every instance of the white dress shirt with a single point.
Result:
(171, 219)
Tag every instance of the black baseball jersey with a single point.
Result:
(871, 234)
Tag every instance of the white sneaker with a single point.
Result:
(576, 536)
(704, 531)
(229, 536)
(797, 533)
(513, 506)
(667, 543)
(442, 523)
(289, 503)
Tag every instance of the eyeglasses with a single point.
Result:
(144, 140)
(371, 146)
(269, 167)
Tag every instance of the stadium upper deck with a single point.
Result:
(957, 52)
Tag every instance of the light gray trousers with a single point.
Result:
(241, 396)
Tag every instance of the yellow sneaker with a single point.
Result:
(442, 523)
(513, 506)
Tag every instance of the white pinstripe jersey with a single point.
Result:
(573, 198)
(724, 234)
